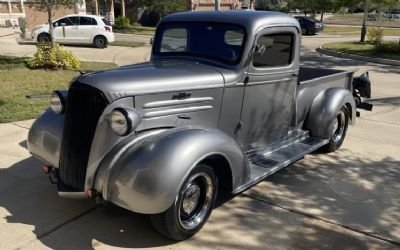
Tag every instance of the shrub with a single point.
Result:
(22, 26)
(388, 47)
(375, 36)
(53, 58)
(122, 22)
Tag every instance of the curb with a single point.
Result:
(358, 57)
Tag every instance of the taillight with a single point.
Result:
(107, 28)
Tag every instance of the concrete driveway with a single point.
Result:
(349, 199)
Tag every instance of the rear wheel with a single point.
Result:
(192, 205)
(44, 38)
(100, 42)
(339, 129)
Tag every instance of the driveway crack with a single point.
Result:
(44, 234)
(328, 221)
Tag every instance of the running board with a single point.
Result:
(264, 164)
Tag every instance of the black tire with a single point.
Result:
(192, 206)
(44, 38)
(338, 132)
(100, 42)
(303, 31)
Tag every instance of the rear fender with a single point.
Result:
(147, 176)
(325, 108)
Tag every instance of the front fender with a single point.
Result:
(325, 108)
(44, 137)
(147, 176)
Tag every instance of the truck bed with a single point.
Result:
(314, 80)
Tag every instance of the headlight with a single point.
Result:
(57, 102)
(124, 120)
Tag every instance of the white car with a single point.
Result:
(77, 29)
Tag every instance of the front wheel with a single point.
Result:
(192, 205)
(44, 38)
(339, 129)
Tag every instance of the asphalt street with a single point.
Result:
(344, 200)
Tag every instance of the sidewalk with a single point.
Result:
(7, 31)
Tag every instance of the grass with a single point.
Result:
(136, 29)
(357, 48)
(124, 43)
(17, 81)
(353, 31)
(356, 19)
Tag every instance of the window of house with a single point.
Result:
(274, 50)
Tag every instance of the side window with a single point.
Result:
(64, 22)
(273, 50)
(74, 20)
(174, 40)
(87, 21)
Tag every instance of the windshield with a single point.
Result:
(217, 41)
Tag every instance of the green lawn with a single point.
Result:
(356, 19)
(353, 31)
(136, 29)
(127, 43)
(359, 49)
(17, 81)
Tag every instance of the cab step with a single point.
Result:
(263, 164)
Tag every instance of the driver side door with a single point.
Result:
(269, 92)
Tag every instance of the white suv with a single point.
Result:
(77, 29)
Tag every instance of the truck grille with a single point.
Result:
(84, 106)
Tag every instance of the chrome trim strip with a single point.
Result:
(175, 111)
(318, 80)
(270, 82)
(73, 195)
(166, 103)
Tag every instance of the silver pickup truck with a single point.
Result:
(222, 104)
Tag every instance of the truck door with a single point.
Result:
(271, 82)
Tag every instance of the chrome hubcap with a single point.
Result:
(196, 200)
(339, 127)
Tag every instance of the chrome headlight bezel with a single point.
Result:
(57, 102)
(117, 117)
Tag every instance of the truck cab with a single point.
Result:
(222, 104)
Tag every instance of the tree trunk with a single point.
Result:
(364, 24)
(218, 4)
(49, 19)
(322, 16)
(122, 7)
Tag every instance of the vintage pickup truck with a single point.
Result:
(222, 104)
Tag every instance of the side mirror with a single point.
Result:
(63, 24)
(55, 24)
(151, 41)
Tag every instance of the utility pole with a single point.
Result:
(218, 5)
(364, 24)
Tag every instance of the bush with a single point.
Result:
(22, 26)
(53, 58)
(122, 22)
(375, 36)
(388, 47)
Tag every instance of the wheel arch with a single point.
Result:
(41, 34)
(324, 109)
(154, 171)
(100, 35)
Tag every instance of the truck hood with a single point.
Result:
(153, 77)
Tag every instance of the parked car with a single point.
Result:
(77, 29)
(222, 104)
(309, 26)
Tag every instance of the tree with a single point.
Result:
(49, 6)
(163, 7)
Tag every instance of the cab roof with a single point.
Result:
(250, 19)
